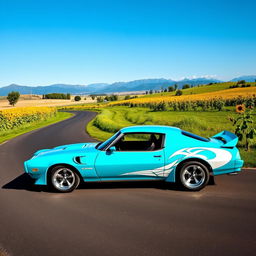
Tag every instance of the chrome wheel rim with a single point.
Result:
(63, 179)
(193, 176)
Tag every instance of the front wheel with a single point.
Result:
(64, 179)
(193, 175)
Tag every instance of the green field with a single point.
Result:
(7, 135)
(201, 89)
(202, 123)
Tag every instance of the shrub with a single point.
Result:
(77, 98)
(178, 93)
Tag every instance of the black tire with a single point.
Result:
(193, 176)
(63, 179)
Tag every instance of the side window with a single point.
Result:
(140, 142)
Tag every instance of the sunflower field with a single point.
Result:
(15, 117)
(212, 100)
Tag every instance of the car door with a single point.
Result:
(128, 165)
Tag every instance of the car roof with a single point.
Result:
(151, 128)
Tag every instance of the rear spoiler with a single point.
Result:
(229, 139)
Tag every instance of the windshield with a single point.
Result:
(108, 141)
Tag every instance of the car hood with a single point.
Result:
(87, 147)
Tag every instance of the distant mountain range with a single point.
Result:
(100, 88)
(246, 78)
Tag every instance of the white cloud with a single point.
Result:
(195, 77)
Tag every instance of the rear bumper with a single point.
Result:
(236, 167)
(239, 164)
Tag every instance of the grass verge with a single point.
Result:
(7, 135)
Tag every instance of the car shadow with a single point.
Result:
(129, 185)
(24, 182)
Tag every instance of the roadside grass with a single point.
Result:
(7, 135)
(204, 123)
(97, 133)
(248, 157)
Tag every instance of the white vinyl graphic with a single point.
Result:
(221, 158)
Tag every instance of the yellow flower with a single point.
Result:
(14, 117)
(240, 108)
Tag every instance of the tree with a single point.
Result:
(77, 98)
(170, 89)
(178, 93)
(13, 97)
(57, 96)
(241, 82)
(185, 86)
(175, 87)
(93, 97)
(113, 97)
(68, 96)
(99, 99)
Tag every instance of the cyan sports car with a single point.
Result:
(138, 153)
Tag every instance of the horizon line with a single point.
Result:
(213, 77)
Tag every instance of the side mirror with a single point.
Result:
(111, 149)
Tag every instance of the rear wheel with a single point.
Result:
(64, 179)
(193, 175)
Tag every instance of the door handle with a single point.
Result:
(158, 156)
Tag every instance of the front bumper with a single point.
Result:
(39, 176)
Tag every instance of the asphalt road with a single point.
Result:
(119, 218)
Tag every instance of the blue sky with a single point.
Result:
(82, 42)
